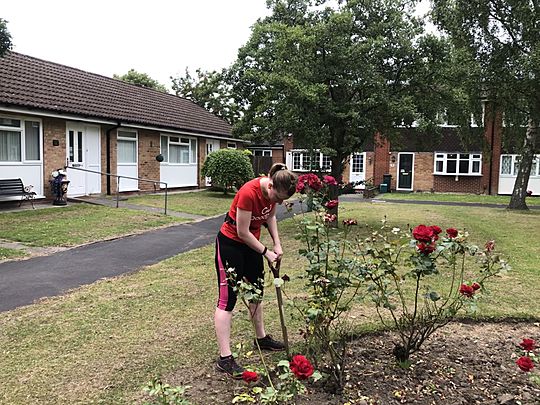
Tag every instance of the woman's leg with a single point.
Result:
(256, 312)
(222, 322)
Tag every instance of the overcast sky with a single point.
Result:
(158, 37)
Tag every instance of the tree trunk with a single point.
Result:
(517, 201)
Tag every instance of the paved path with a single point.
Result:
(22, 282)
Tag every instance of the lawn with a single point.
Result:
(205, 203)
(454, 197)
(102, 342)
(77, 224)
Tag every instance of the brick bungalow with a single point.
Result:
(53, 116)
(479, 163)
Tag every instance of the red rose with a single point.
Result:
(436, 230)
(452, 233)
(525, 363)
(425, 248)
(490, 245)
(301, 367)
(330, 180)
(300, 187)
(423, 233)
(332, 204)
(475, 286)
(250, 376)
(528, 345)
(466, 290)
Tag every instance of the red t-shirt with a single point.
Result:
(249, 198)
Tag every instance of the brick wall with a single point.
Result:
(54, 157)
(463, 184)
(149, 148)
(423, 172)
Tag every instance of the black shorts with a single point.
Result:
(248, 264)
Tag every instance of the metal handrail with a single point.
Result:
(118, 177)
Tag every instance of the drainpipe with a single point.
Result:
(108, 156)
(491, 151)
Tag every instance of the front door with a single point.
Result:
(405, 171)
(211, 146)
(83, 154)
(358, 170)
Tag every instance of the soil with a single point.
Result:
(462, 363)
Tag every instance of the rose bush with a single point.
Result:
(528, 358)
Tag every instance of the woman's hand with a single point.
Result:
(271, 256)
(278, 251)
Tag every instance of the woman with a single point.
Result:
(238, 247)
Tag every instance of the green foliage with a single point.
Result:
(228, 168)
(334, 76)
(5, 37)
(141, 80)
(165, 394)
(401, 274)
(500, 39)
(210, 90)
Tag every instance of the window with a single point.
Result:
(177, 150)
(264, 152)
(127, 147)
(19, 140)
(358, 163)
(307, 161)
(462, 164)
(510, 165)
(231, 145)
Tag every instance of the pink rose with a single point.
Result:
(330, 180)
(331, 204)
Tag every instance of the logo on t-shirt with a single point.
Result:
(265, 213)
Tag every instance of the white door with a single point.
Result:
(127, 158)
(83, 153)
(211, 146)
(358, 169)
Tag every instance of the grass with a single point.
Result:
(7, 253)
(102, 342)
(449, 197)
(205, 203)
(76, 224)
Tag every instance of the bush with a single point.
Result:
(228, 168)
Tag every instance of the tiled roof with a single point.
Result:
(36, 84)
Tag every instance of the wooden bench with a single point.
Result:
(15, 188)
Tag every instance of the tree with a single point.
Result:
(211, 91)
(336, 76)
(5, 38)
(228, 168)
(141, 80)
(503, 37)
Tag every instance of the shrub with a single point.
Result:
(228, 168)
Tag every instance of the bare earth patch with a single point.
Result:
(464, 363)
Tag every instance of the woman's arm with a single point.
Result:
(243, 219)
(273, 230)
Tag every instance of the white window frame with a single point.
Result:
(440, 163)
(262, 152)
(126, 138)
(302, 158)
(514, 165)
(179, 140)
(21, 129)
(231, 145)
